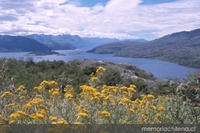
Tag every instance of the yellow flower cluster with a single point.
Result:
(82, 114)
(100, 69)
(94, 78)
(96, 104)
(7, 93)
(69, 96)
(21, 87)
(54, 91)
(105, 113)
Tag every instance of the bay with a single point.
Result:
(160, 69)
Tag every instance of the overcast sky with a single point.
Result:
(123, 19)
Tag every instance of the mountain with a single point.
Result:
(67, 41)
(18, 44)
(111, 48)
(96, 41)
(181, 47)
(59, 42)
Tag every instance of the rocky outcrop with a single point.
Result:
(127, 71)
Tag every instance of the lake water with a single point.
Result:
(160, 69)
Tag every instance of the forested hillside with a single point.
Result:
(18, 44)
(182, 48)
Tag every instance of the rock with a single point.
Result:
(127, 71)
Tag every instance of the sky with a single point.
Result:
(122, 19)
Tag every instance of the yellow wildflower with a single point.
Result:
(104, 91)
(78, 122)
(161, 109)
(20, 88)
(133, 86)
(53, 82)
(43, 111)
(7, 93)
(121, 103)
(44, 83)
(124, 100)
(93, 78)
(54, 93)
(28, 105)
(39, 88)
(14, 115)
(32, 116)
(69, 96)
(94, 98)
(150, 96)
(144, 117)
(62, 121)
(123, 88)
(11, 122)
(125, 93)
(82, 115)
(40, 116)
(100, 69)
(21, 112)
(153, 107)
(114, 90)
(106, 98)
(131, 89)
(53, 122)
(132, 110)
(53, 118)
(158, 115)
(105, 113)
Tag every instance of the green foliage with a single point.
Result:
(88, 70)
(111, 77)
(30, 73)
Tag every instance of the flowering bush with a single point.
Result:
(96, 104)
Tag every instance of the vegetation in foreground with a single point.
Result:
(97, 103)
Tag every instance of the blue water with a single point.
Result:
(160, 69)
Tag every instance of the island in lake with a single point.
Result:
(43, 53)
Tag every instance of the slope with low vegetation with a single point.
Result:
(182, 48)
(47, 102)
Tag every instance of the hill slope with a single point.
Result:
(111, 48)
(18, 44)
(54, 42)
(67, 41)
(181, 47)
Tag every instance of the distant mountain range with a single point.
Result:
(181, 47)
(61, 42)
(18, 44)
(43, 42)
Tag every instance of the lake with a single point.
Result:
(160, 69)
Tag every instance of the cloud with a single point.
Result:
(7, 18)
(114, 6)
(117, 19)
